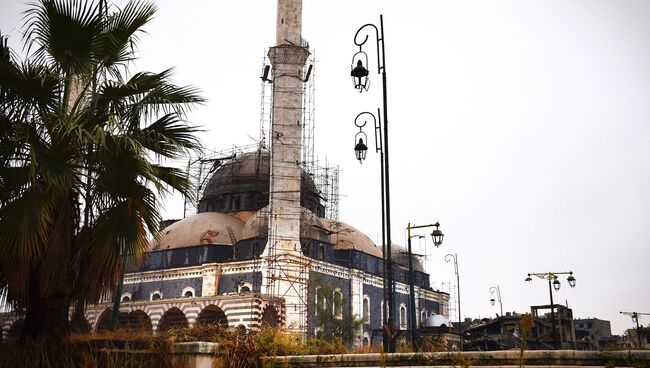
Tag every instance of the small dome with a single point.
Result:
(345, 236)
(437, 320)
(202, 228)
(399, 255)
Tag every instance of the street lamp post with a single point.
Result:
(553, 283)
(498, 291)
(448, 258)
(359, 75)
(436, 236)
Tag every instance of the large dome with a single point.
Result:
(200, 229)
(241, 183)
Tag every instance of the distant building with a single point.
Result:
(632, 337)
(502, 332)
(593, 334)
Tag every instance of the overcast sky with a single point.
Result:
(523, 127)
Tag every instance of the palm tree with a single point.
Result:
(82, 148)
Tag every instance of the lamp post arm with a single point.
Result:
(549, 275)
(419, 226)
(380, 38)
(378, 141)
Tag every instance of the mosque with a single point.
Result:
(260, 250)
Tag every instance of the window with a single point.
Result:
(188, 292)
(402, 317)
(244, 287)
(423, 316)
(321, 252)
(337, 305)
(126, 297)
(366, 309)
(156, 295)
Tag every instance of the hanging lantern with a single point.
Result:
(360, 150)
(556, 284)
(359, 73)
(437, 235)
(571, 280)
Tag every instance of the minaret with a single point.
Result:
(286, 276)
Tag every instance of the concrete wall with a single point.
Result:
(546, 358)
(208, 355)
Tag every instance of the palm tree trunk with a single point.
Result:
(45, 318)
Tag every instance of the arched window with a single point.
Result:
(156, 295)
(188, 292)
(402, 317)
(337, 304)
(366, 309)
(126, 297)
(244, 287)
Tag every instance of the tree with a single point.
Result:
(333, 315)
(82, 149)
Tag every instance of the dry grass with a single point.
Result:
(131, 349)
(118, 349)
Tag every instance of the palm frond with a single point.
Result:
(117, 41)
(176, 179)
(64, 32)
(168, 137)
(24, 225)
(168, 98)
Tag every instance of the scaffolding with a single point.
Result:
(308, 114)
(287, 278)
(288, 272)
(449, 287)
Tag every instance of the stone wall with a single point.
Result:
(545, 358)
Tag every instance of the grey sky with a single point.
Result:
(523, 127)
